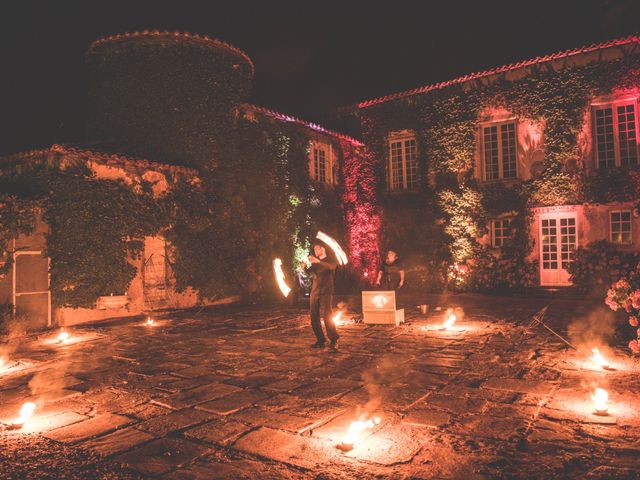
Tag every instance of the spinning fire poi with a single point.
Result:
(282, 284)
(335, 246)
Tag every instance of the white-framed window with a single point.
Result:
(620, 227)
(321, 168)
(499, 151)
(501, 231)
(404, 172)
(615, 129)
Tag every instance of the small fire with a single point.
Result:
(337, 318)
(449, 321)
(379, 301)
(150, 321)
(282, 284)
(337, 249)
(26, 412)
(63, 336)
(354, 433)
(600, 399)
(598, 358)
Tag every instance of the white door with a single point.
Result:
(558, 241)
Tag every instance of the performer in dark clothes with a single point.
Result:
(391, 273)
(322, 271)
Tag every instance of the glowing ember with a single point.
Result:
(354, 433)
(26, 412)
(600, 399)
(63, 336)
(449, 321)
(337, 249)
(150, 321)
(282, 284)
(598, 358)
(379, 301)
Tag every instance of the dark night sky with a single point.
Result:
(309, 56)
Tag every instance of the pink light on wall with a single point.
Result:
(361, 209)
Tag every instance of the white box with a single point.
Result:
(379, 308)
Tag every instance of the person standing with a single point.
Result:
(391, 272)
(322, 270)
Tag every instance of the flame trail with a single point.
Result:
(337, 249)
(282, 284)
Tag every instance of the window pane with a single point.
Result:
(319, 164)
(604, 138)
(501, 232)
(491, 153)
(620, 226)
(396, 175)
(411, 159)
(508, 133)
(627, 135)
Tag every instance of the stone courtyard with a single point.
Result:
(237, 393)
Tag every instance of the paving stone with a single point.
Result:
(286, 385)
(196, 396)
(88, 428)
(276, 420)
(219, 431)
(388, 446)
(145, 411)
(518, 385)
(194, 372)
(304, 452)
(176, 420)
(234, 402)
(162, 455)
(327, 389)
(118, 441)
(426, 418)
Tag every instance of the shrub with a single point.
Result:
(598, 265)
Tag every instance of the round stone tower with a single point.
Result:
(167, 96)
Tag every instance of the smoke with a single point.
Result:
(16, 332)
(374, 380)
(593, 330)
(457, 311)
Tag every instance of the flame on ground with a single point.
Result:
(600, 400)
(63, 336)
(150, 321)
(356, 429)
(26, 412)
(282, 284)
(335, 246)
(449, 320)
(337, 319)
(598, 358)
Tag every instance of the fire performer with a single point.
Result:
(391, 273)
(322, 270)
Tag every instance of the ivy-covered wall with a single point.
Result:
(94, 227)
(437, 228)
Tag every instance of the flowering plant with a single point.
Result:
(600, 264)
(624, 296)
